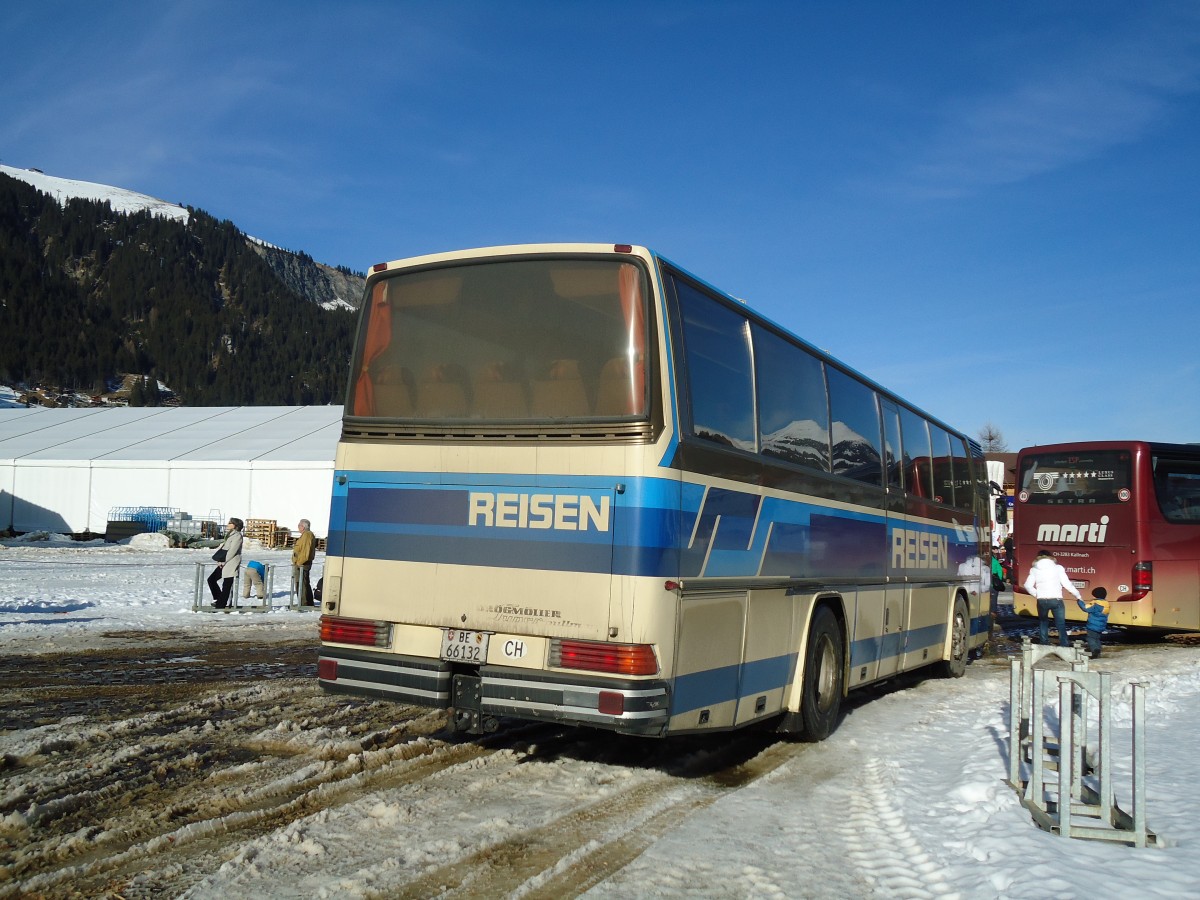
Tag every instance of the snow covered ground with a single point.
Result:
(269, 788)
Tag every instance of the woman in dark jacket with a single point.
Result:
(227, 570)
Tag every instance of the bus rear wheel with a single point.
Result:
(960, 634)
(824, 675)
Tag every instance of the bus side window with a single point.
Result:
(856, 434)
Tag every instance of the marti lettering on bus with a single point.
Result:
(1087, 533)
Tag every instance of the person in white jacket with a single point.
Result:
(1046, 581)
(227, 566)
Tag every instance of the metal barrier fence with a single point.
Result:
(202, 600)
(1081, 801)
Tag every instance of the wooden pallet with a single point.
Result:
(261, 530)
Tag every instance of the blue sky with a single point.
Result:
(993, 209)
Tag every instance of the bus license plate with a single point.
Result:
(459, 645)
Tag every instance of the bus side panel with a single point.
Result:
(708, 661)
(1176, 600)
(867, 639)
(930, 607)
(736, 658)
(770, 655)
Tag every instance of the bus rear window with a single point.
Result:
(547, 340)
(1075, 478)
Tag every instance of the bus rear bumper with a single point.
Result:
(480, 695)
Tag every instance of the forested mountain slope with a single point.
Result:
(88, 294)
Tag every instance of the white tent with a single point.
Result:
(66, 470)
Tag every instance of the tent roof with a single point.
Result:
(193, 434)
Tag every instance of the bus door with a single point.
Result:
(895, 607)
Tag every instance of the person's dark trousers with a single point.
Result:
(1046, 608)
(306, 594)
(1093, 639)
(220, 594)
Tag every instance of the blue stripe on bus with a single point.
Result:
(715, 686)
(656, 527)
(725, 683)
(888, 646)
(981, 624)
(564, 556)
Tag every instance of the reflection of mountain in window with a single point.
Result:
(718, 438)
(855, 433)
(806, 443)
(854, 456)
(720, 380)
(793, 408)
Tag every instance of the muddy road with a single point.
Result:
(153, 769)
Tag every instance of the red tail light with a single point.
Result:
(1143, 580)
(594, 656)
(611, 703)
(335, 630)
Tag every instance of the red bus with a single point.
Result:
(1123, 515)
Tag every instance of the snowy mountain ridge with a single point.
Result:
(329, 287)
(120, 199)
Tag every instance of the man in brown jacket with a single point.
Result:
(303, 553)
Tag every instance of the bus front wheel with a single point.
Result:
(960, 634)
(824, 672)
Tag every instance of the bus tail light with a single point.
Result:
(1143, 580)
(611, 703)
(336, 630)
(595, 656)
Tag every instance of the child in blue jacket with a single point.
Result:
(1097, 620)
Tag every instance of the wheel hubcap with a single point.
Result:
(826, 675)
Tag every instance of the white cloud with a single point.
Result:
(1095, 95)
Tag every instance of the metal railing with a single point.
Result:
(1081, 801)
(202, 601)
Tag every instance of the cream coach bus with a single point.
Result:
(575, 483)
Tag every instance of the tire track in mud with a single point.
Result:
(111, 785)
(89, 790)
(575, 851)
(186, 855)
(87, 806)
(886, 851)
